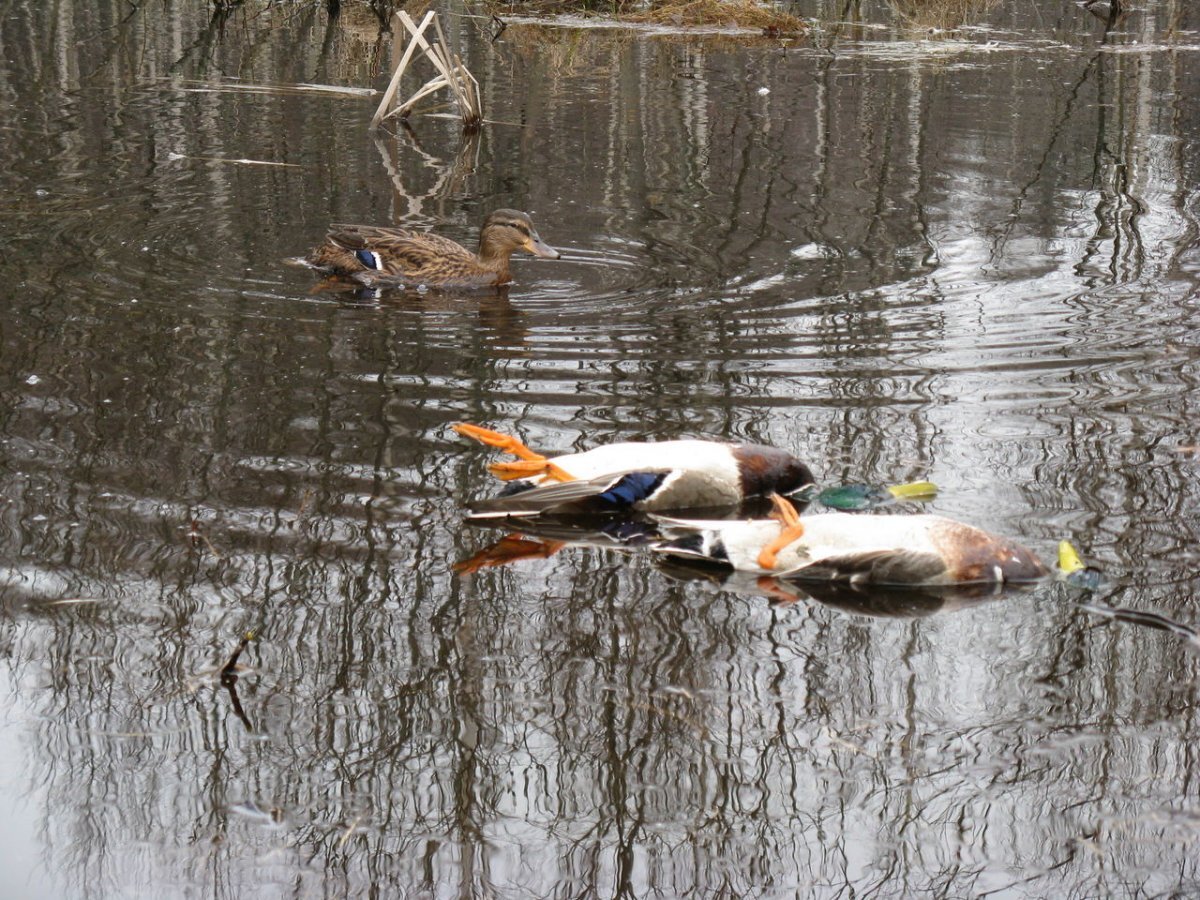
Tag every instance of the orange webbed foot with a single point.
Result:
(791, 529)
(505, 442)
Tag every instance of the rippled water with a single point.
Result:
(969, 256)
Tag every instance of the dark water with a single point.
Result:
(969, 256)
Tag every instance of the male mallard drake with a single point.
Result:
(685, 474)
(916, 550)
(375, 255)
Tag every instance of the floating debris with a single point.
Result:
(1074, 571)
(914, 490)
(350, 829)
(197, 537)
(240, 162)
(232, 669)
(74, 601)
(217, 87)
(1068, 558)
(250, 810)
(870, 496)
(227, 676)
(854, 747)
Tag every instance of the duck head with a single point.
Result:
(507, 230)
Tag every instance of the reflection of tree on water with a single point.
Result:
(577, 723)
(945, 15)
(448, 177)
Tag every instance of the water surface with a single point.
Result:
(967, 255)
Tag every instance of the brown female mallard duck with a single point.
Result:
(375, 255)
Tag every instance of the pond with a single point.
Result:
(959, 251)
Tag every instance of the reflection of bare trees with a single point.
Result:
(944, 15)
(836, 253)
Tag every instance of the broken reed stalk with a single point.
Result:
(452, 73)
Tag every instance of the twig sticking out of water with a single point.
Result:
(229, 676)
(196, 536)
(349, 832)
(231, 669)
(500, 24)
(452, 74)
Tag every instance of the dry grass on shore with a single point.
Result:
(741, 13)
(672, 13)
(939, 15)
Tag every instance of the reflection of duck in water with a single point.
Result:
(876, 601)
(375, 255)
(635, 475)
(916, 550)
(542, 538)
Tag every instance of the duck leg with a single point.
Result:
(529, 464)
(791, 529)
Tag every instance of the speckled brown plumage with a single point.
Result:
(972, 555)
(377, 255)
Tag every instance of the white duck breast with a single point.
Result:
(707, 463)
(880, 549)
(631, 455)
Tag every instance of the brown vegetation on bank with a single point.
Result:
(940, 15)
(730, 13)
(677, 13)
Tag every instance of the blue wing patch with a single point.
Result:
(369, 258)
(632, 488)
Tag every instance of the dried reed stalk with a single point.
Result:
(452, 74)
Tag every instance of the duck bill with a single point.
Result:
(538, 247)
